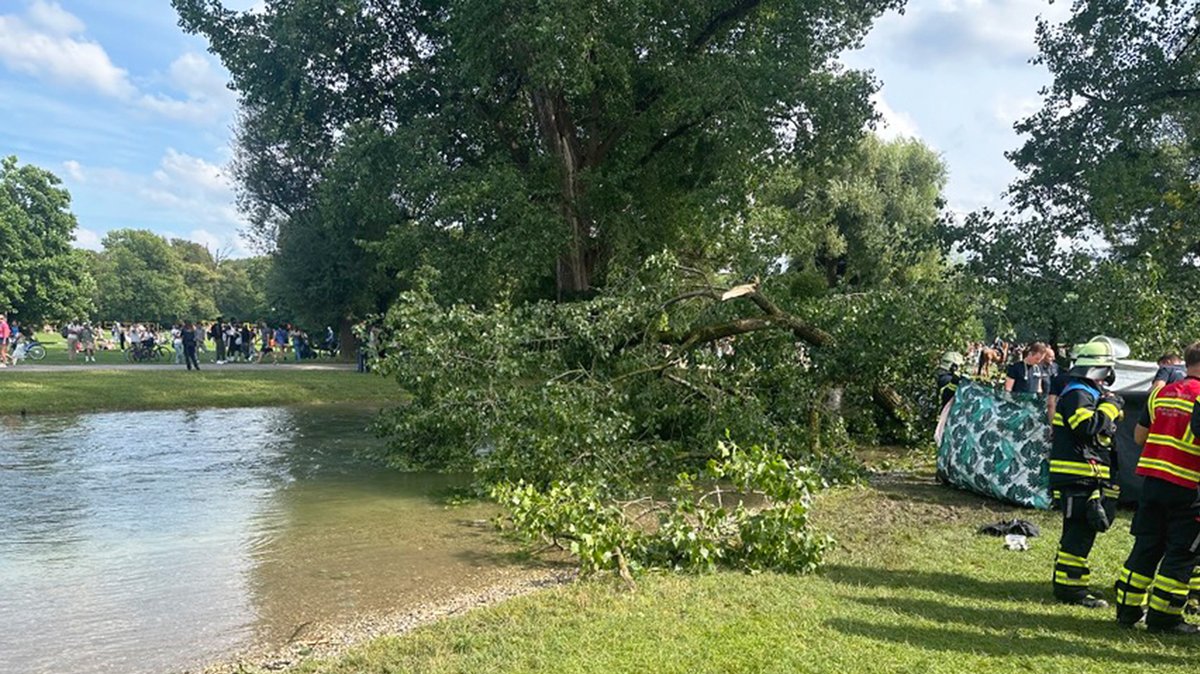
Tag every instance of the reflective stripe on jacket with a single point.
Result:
(1171, 452)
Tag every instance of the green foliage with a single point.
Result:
(1104, 234)
(627, 387)
(540, 144)
(41, 276)
(142, 276)
(747, 509)
(866, 220)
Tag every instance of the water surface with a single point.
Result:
(155, 541)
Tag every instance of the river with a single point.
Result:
(157, 541)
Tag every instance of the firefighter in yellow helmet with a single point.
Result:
(949, 376)
(1083, 467)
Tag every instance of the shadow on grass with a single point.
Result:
(924, 488)
(945, 583)
(973, 642)
(1101, 627)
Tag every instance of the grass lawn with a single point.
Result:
(911, 588)
(92, 390)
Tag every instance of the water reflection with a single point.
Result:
(147, 542)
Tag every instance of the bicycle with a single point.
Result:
(149, 354)
(29, 349)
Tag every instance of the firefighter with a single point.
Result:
(1166, 528)
(949, 377)
(1083, 467)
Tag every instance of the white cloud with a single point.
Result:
(27, 45)
(184, 193)
(47, 42)
(53, 18)
(1009, 110)
(207, 99)
(86, 238)
(945, 32)
(74, 170)
(893, 124)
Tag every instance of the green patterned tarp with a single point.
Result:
(994, 443)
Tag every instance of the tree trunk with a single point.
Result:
(575, 264)
(347, 342)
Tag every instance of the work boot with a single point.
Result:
(1193, 604)
(1128, 616)
(1183, 628)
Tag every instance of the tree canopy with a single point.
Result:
(41, 276)
(540, 143)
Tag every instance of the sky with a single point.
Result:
(135, 117)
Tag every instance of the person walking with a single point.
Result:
(87, 341)
(72, 340)
(294, 334)
(1166, 526)
(5, 336)
(200, 333)
(1083, 468)
(266, 340)
(218, 336)
(187, 339)
(177, 343)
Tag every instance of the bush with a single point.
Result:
(751, 514)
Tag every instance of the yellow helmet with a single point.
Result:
(1095, 354)
(951, 360)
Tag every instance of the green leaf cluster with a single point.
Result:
(746, 510)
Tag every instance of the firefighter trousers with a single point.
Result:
(1166, 530)
(1085, 513)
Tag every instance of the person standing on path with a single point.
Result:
(188, 339)
(5, 335)
(1166, 526)
(72, 340)
(218, 336)
(87, 341)
(177, 342)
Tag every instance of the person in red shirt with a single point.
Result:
(5, 336)
(1166, 527)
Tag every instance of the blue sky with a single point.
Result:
(133, 114)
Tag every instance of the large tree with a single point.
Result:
(1113, 153)
(558, 136)
(41, 276)
(140, 277)
(1104, 232)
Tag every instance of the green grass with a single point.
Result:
(79, 390)
(911, 588)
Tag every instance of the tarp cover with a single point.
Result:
(994, 443)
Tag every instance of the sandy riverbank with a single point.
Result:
(312, 640)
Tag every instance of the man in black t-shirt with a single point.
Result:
(1025, 375)
(1170, 370)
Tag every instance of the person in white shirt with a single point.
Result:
(177, 343)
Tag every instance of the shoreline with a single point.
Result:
(316, 641)
(102, 388)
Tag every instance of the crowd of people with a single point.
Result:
(227, 340)
(1159, 577)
